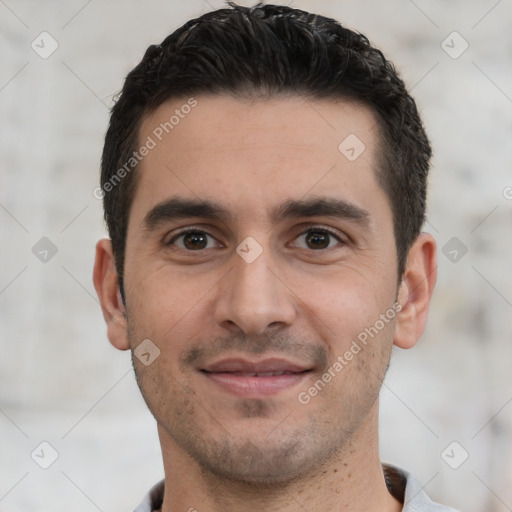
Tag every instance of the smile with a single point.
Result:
(255, 379)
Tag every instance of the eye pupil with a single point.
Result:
(318, 240)
(195, 240)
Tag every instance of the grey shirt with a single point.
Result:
(404, 487)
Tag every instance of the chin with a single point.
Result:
(263, 464)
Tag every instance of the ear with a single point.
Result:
(107, 287)
(415, 291)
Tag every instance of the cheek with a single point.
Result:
(167, 305)
(344, 303)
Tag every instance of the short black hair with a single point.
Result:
(260, 52)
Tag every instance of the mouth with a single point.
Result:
(250, 379)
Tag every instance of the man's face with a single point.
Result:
(255, 247)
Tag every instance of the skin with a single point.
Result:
(304, 298)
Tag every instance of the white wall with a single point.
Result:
(61, 381)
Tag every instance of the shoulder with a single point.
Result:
(153, 499)
(403, 486)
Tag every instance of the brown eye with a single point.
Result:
(193, 241)
(317, 239)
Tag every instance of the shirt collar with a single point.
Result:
(401, 485)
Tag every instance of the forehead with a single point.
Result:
(257, 152)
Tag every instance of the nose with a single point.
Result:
(254, 297)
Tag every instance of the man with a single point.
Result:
(264, 180)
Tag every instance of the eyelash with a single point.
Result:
(323, 230)
(319, 229)
(188, 232)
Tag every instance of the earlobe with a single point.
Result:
(415, 291)
(107, 287)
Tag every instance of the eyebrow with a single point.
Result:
(321, 207)
(180, 208)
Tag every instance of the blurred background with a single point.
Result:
(446, 404)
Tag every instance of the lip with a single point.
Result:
(266, 365)
(253, 379)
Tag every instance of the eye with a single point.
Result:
(317, 239)
(193, 241)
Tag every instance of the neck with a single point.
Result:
(350, 481)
